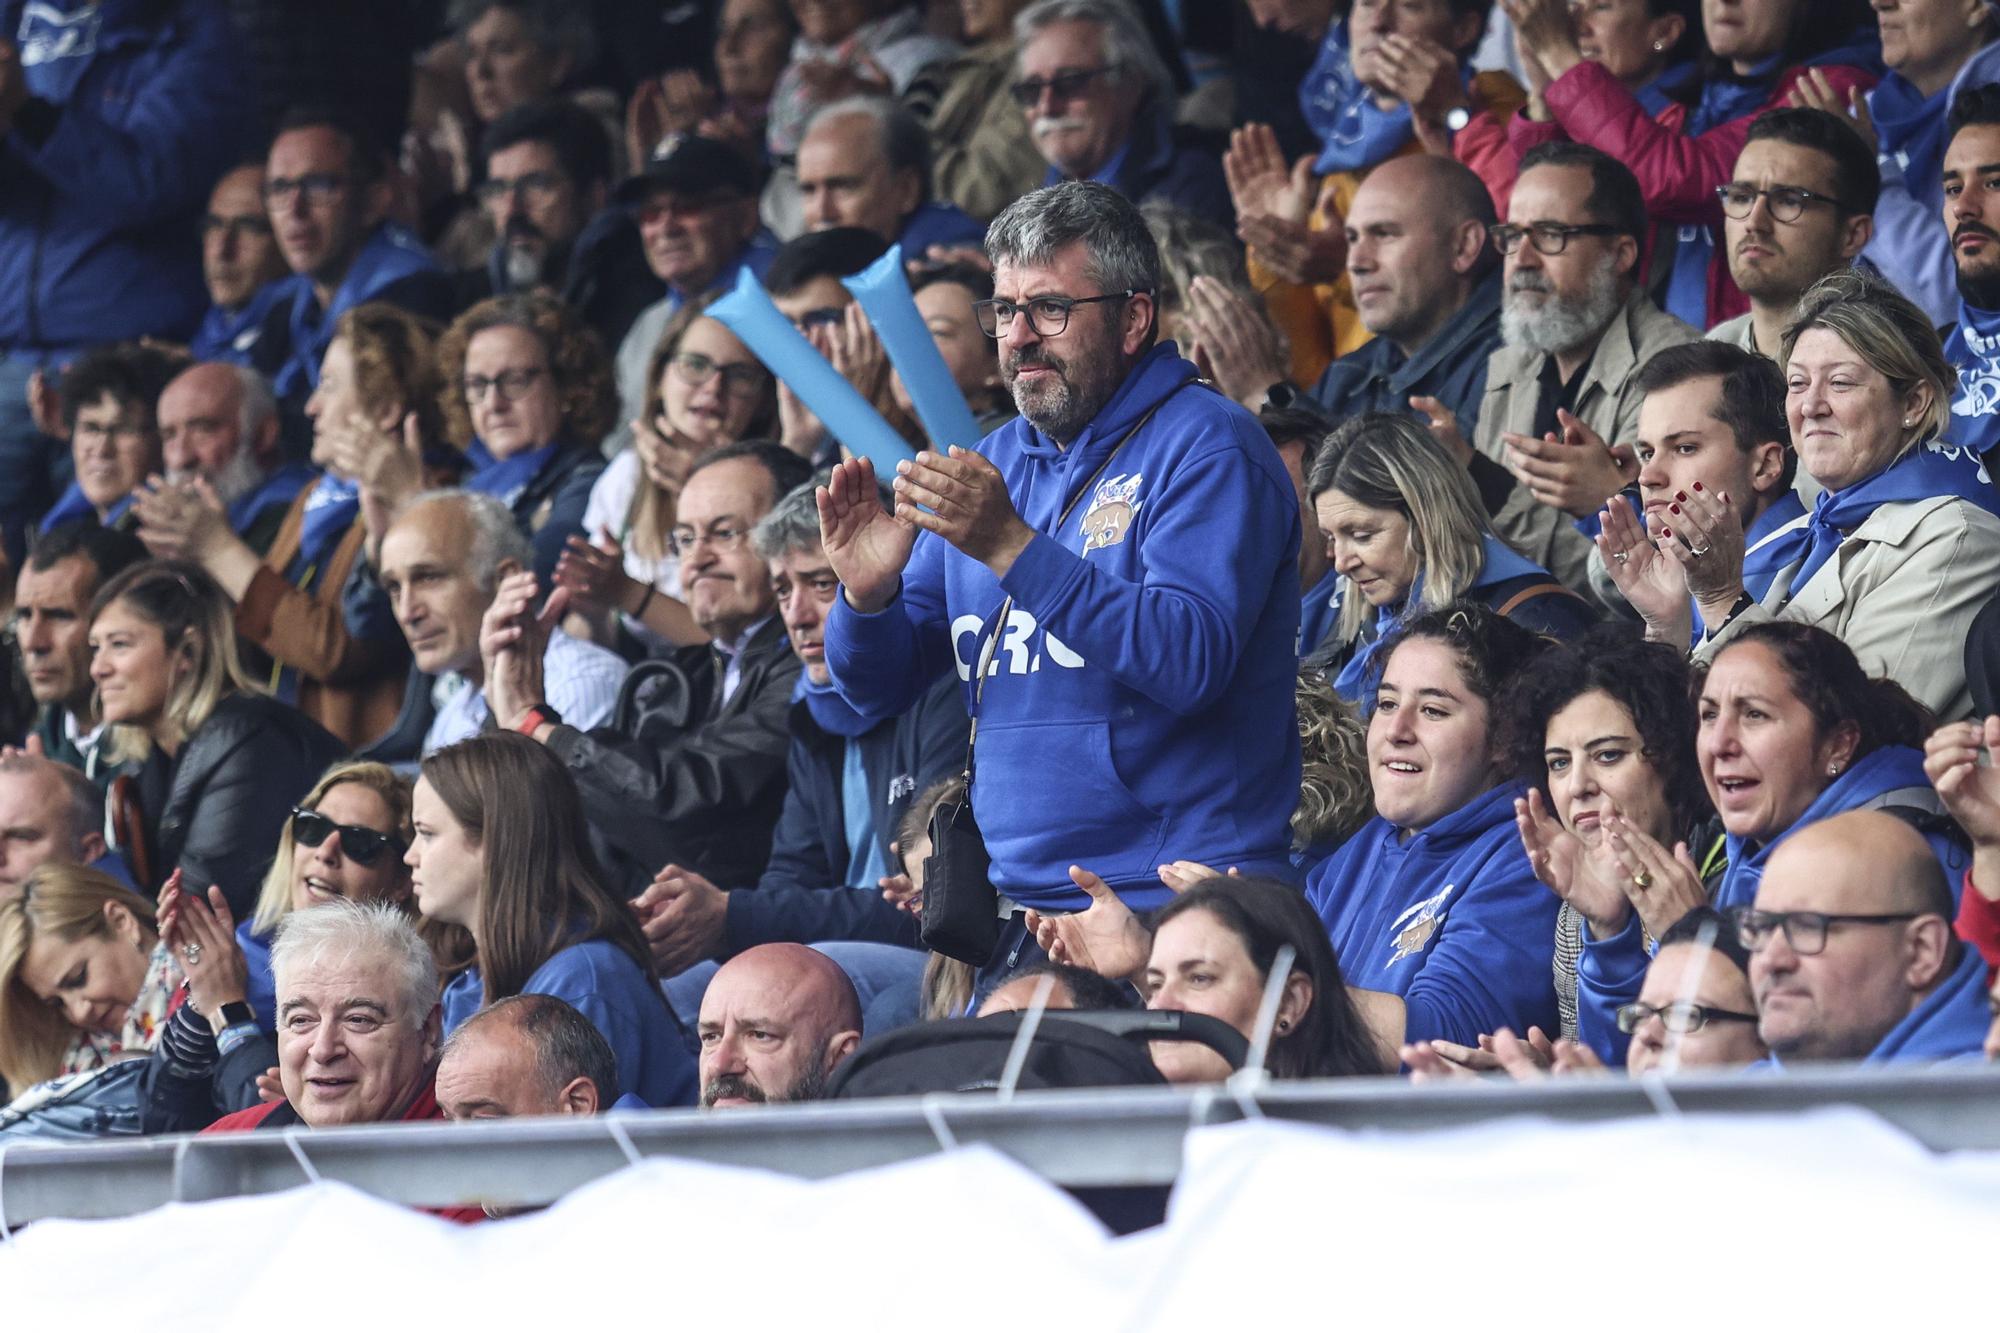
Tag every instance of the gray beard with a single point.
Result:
(1559, 325)
(1060, 410)
(240, 476)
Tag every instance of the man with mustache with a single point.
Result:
(1972, 216)
(1576, 326)
(775, 1023)
(1117, 570)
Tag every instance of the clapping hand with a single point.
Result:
(684, 918)
(1105, 937)
(1703, 534)
(1576, 472)
(512, 638)
(1584, 877)
(866, 546)
(1962, 760)
(1655, 584)
(1663, 886)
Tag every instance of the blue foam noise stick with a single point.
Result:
(748, 312)
(884, 293)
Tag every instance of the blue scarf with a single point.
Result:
(1501, 564)
(69, 507)
(1910, 127)
(1354, 132)
(504, 478)
(330, 512)
(389, 255)
(1657, 96)
(280, 488)
(1922, 474)
(1974, 347)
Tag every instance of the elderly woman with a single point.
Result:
(1903, 549)
(527, 397)
(1407, 534)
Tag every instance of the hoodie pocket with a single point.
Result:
(1048, 795)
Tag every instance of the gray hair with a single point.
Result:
(496, 536)
(906, 145)
(342, 930)
(556, 26)
(1127, 48)
(567, 1045)
(1121, 254)
(85, 809)
(792, 526)
(259, 404)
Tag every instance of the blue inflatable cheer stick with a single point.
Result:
(884, 293)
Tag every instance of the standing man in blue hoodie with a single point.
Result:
(1122, 557)
(1852, 955)
(116, 116)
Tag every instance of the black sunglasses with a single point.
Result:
(363, 846)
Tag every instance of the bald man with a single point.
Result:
(776, 1021)
(219, 425)
(1852, 955)
(528, 1055)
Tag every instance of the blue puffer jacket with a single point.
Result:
(136, 108)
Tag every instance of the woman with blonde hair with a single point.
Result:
(1407, 534)
(218, 765)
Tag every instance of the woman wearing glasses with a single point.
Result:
(528, 397)
(704, 389)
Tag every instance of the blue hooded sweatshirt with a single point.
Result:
(1610, 971)
(1949, 1026)
(1139, 705)
(624, 1004)
(1451, 919)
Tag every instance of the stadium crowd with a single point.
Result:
(1482, 559)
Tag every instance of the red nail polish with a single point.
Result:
(1697, 485)
(1680, 495)
(1673, 509)
(1666, 531)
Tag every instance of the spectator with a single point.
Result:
(502, 850)
(109, 400)
(982, 156)
(52, 598)
(776, 1022)
(1433, 907)
(1577, 328)
(326, 184)
(520, 51)
(1852, 955)
(753, 40)
(1649, 46)
(851, 46)
(113, 142)
(1165, 474)
(340, 659)
(218, 764)
(545, 171)
(442, 563)
(1299, 436)
(849, 783)
(1696, 1007)
(240, 265)
(528, 1055)
(1712, 420)
(1227, 333)
(696, 206)
(1800, 206)
(219, 441)
(49, 812)
(1425, 283)
(527, 397)
(945, 296)
(1973, 345)
(1760, 53)
(866, 162)
(704, 390)
(1603, 732)
(1404, 530)
(1935, 50)
(1067, 988)
(1958, 759)
(690, 770)
(1904, 549)
(1099, 106)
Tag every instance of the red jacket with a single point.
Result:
(1979, 922)
(274, 1115)
(1678, 172)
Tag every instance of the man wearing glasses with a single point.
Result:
(1114, 575)
(1852, 955)
(1576, 327)
(1800, 206)
(240, 266)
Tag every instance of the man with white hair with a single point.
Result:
(219, 429)
(1100, 104)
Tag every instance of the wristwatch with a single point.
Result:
(238, 1014)
(535, 718)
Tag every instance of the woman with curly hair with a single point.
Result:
(527, 398)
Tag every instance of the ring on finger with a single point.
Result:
(1643, 879)
(1698, 551)
(1620, 556)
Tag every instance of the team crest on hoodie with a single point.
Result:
(1112, 509)
(1412, 930)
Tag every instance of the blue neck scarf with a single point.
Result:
(1910, 127)
(280, 488)
(1657, 96)
(1354, 132)
(389, 255)
(1974, 347)
(330, 511)
(1887, 769)
(69, 507)
(1501, 564)
(1927, 471)
(504, 478)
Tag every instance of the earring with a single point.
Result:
(1908, 422)
(1284, 1025)
(1659, 46)
(1833, 770)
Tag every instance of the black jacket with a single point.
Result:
(217, 808)
(679, 776)
(550, 508)
(804, 897)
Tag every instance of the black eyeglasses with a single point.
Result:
(1069, 83)
(1678, 1017)
(1786, 201)
(742, 378)
(1805, 932)
(318, 187)
(363, 846)
(1551, 238)
(511, 384)
(819, 317)
(1047, 315)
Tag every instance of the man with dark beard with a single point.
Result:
(1118, 568)
(1972, 216)
(776, 1021)
(1562, 391)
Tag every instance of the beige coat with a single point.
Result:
(982, 157)
(1902, 592)
(1608, 403)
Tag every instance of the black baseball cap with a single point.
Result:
(690, 164)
